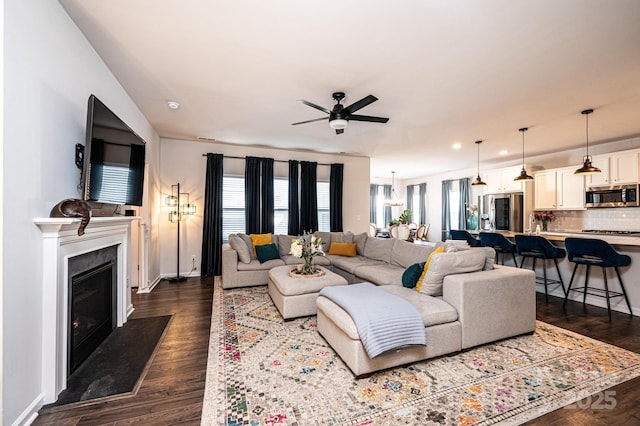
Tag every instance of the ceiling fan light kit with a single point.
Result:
(587, 168)
(340, 115)
(478, 181)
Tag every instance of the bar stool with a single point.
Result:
(594, 252)
(465, 236)
(536, 247)
(500, 244)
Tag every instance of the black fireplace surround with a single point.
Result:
(92, 314)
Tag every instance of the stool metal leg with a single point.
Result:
(566, 296)
(560, 276)
(586, 285)
(623, 290)
(544, 274)
(606, 291)
(515, 262)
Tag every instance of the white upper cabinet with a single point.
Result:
(502, 180)
(570, 189)
(544, 184)
(617, 169)
(558, 189)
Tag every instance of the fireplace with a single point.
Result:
(64, 257)
(92, 303)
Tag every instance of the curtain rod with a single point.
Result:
(277, 161)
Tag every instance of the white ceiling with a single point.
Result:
(444, 72)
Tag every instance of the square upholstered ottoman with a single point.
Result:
(296, 297)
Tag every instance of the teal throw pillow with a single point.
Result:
(267, 252)
(412, 274)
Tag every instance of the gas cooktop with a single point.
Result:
(607, 232)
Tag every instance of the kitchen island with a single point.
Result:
(624, 244)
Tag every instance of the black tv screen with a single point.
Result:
(113, 169)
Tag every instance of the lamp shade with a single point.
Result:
(587, 168)
(189, 209)
(478, 181)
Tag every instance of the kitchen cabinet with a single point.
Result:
(502, 180)
(558, 189)
(544, 187)
(617, 169)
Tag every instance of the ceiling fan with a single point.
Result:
(340, 115)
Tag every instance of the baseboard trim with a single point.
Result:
(30, 414)
(151, 286)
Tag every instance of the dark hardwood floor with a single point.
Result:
(172, 391)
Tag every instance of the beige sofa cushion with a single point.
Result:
(379, 249)
(443, 264)
(255, 265)
(238, 244)
(406, 254)
(381, 274)
(351, 264)
(284, 244)
(432, 309)
(247, 240)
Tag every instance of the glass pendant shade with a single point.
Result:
(478, 181)
(587, 168)
(524, 176)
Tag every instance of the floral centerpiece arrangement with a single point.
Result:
(545, 218)
(306, 248)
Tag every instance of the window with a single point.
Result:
(454, 204)
(415, 204)
(233, 217)
(324, 221)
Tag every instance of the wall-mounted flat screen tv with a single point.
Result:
(113, 170)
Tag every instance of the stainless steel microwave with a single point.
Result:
(612, 196)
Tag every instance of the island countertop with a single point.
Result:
(619, 240)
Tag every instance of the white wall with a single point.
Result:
(49, 72)
(182, 161)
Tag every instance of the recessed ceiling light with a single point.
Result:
(457, 145)
(503, 152)
(173, 104)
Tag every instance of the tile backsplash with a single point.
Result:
(609, 219)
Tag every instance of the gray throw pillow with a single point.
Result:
(247, 240)
(241, 248)
(360, 240)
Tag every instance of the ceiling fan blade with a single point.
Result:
(368, 118)
(339, 131)
(360, 104)
(310, 121)
(312, 105)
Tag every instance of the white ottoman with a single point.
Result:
(296, 297)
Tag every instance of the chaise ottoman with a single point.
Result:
(296, 297)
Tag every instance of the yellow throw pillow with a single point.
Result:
(343, 249)
(426, 267)
(260, 240)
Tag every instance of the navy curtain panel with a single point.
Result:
(266, 192)
(465, 199)
(258, 195)
(136, 175)
(422, 195)
(308, 196)
(211, 263)
(386, 211)
(410, 201)
(294, 203)
(446, 209)
(373, 203)
(335, 200)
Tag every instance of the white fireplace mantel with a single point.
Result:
(61, 242)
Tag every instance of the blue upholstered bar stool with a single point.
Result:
(500, 243)
(594, 252)
(465, 236)
(536, 247)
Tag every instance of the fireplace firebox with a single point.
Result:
(92, 303)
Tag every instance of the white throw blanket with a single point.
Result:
(384, 321)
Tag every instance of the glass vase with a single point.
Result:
(544, 225)
(307, 269)
(472, 222)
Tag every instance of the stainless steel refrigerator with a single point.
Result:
(502, 212)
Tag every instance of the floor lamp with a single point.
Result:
(175, 216)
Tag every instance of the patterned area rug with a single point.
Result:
(264, 371)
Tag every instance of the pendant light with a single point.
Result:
(587, 168)
(524, 177)
(478, 181)
(393, 201)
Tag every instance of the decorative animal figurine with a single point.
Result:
(72, 207)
